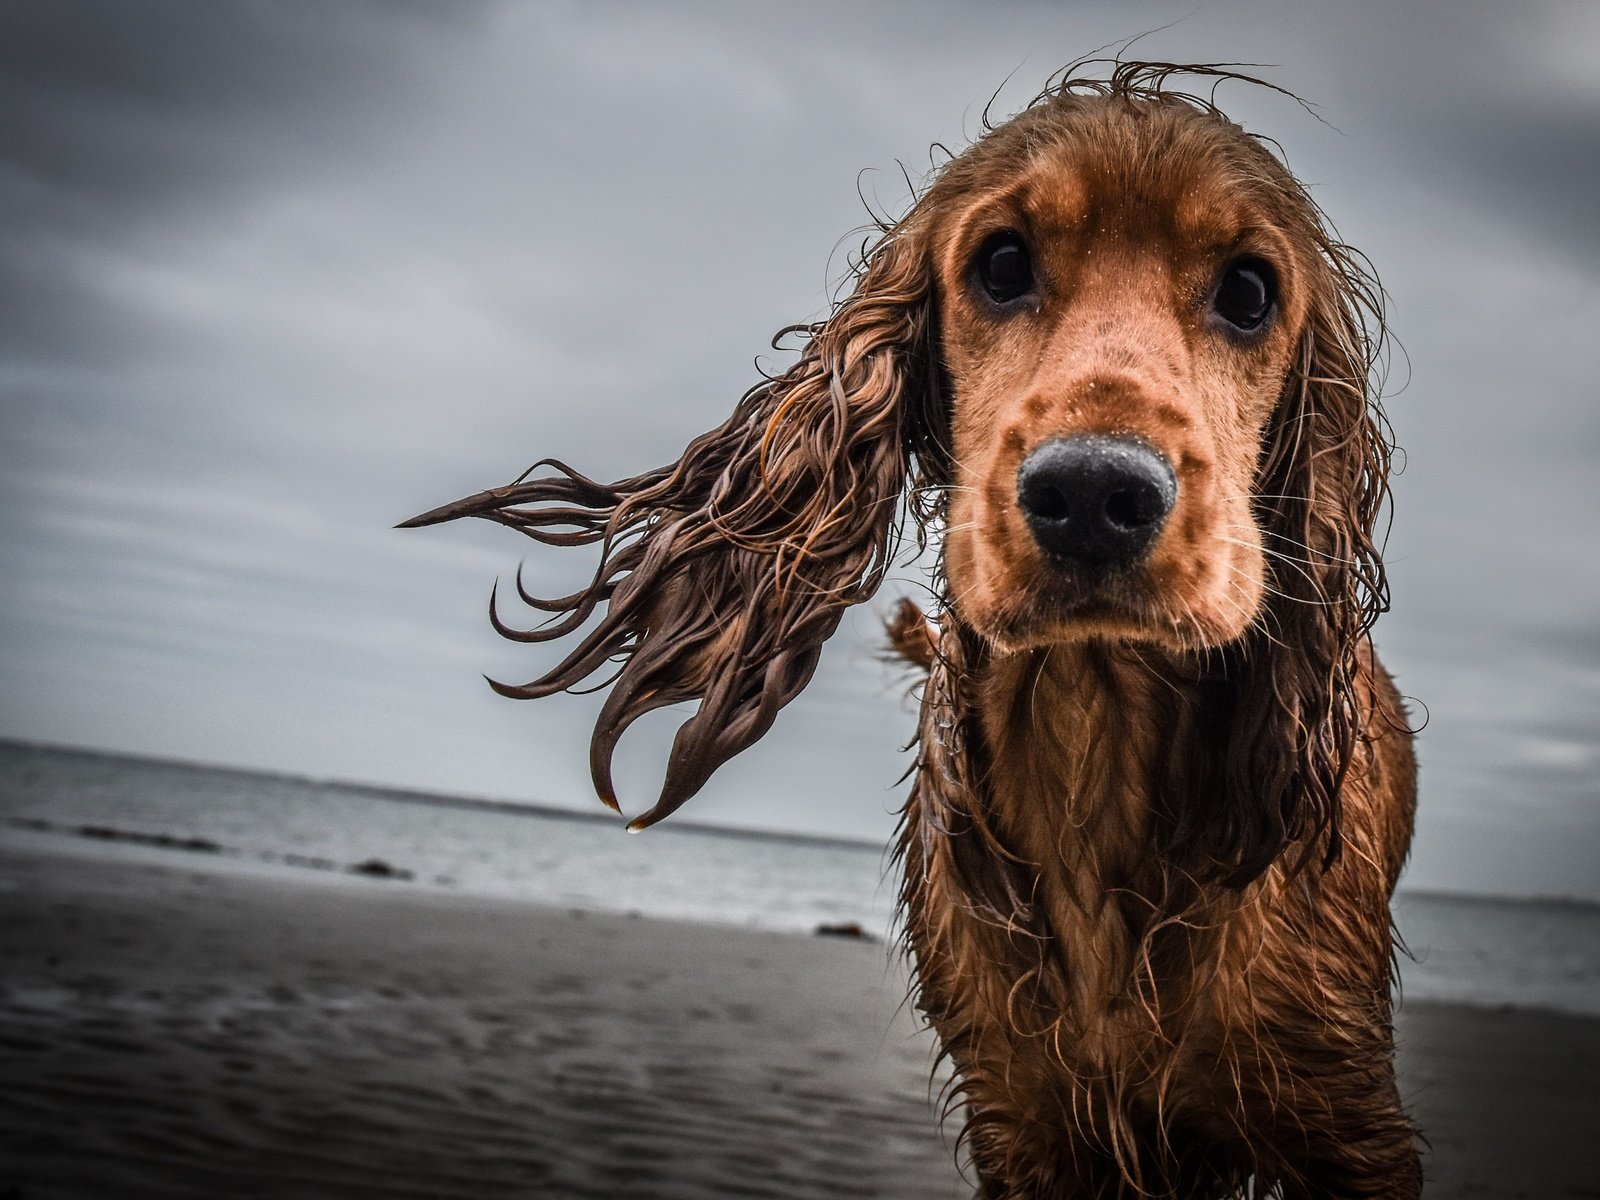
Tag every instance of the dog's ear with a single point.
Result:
(1321, 488)
(722, 574)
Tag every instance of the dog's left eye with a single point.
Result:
(1004, 267)
(1246, 294)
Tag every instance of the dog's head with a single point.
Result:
(1134, 298)
(1113, 357)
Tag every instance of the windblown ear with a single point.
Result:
(1322, 485)
(722, 574)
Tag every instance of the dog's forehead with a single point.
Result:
(1183, 191)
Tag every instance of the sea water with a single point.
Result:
(1463, 949)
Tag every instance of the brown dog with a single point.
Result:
(1113, 356)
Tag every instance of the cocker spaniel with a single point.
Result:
(1115, 363)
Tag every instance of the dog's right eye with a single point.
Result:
(1004, 268)
(1246, 295)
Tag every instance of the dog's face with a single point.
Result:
(1120, 305)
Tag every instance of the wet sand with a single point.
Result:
(172, 1027)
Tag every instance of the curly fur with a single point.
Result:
(1151, 841)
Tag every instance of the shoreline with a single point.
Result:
(169, 1028)
(399, 794)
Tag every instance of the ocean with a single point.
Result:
(1472, 950)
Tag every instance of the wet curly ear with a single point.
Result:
(722, 574)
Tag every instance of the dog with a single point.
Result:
(1115, 364)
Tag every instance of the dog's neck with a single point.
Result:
(1085, 728)
(1074, 745)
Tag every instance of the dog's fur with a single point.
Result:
(1157, 816)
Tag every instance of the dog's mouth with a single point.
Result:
(1181, 604)
(1068, 601)
(1066, 590)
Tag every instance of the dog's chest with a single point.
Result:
(1100, 953)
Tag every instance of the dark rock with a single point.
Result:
(845, 929)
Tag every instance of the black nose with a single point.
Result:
(1097, 499)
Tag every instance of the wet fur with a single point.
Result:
(1156, 821)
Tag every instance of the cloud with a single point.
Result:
(275, 276)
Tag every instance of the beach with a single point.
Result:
(172, 1025)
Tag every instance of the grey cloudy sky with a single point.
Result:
(276, 275)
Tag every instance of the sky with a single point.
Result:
(275, 276)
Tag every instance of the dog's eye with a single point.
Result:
(1246, 294)
(1004, 267)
